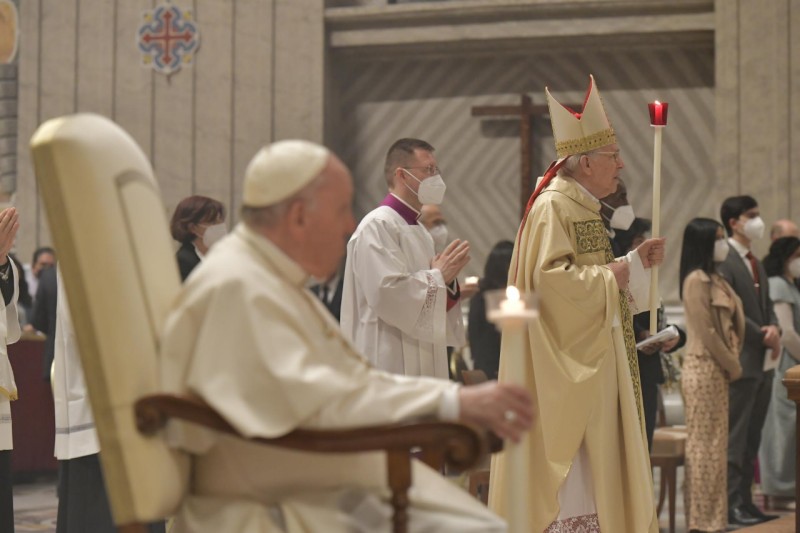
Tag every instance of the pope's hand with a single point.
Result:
(622, 272)
(504, 408)
(452, 260)
(651, 252)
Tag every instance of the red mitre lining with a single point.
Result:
(552, 170)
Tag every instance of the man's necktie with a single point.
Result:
(323, 293)
(754, 266)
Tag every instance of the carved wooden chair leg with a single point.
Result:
(672, 481)
(662, 492)
(399, 469)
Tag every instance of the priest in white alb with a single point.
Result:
(400, 298)
(587, 466)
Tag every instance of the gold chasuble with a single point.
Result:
(581, 367)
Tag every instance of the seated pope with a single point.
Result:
(246, 337)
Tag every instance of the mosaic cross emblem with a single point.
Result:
(167, 39)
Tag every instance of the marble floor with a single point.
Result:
(35, 506)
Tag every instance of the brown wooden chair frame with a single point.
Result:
(458, 445)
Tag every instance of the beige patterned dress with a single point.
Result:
(714, 326)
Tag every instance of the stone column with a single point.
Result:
(8, 131)
(299, 70)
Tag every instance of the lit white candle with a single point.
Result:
(512, 305)
(658, 119)
(656, 228)
(514, 319)
(513, 314)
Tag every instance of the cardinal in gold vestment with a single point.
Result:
(586, 457)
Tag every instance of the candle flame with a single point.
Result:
(658, 103)
(512, 293)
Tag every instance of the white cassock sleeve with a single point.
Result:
(10, 331)
(413, 301)
(639, 284)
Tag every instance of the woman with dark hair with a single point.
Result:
(484, 339)
(715, 328)
(197, 223)
(776, 457)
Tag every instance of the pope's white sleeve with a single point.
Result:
(449, 408)
(385, 398)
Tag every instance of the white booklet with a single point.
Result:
(769, 361)
(666, 334)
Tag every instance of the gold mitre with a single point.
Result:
(577, 133)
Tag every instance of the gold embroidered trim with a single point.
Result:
(589, 523)
(590, 236)
(586, 144)
(630, 347)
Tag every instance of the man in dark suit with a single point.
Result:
(749, 395)
(330, 293)
(44, 316)
(618, 217)
(651, 374)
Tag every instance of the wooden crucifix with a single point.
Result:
(525, 111)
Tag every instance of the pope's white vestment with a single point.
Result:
(395, 307)
(247, 338)
(9, 333)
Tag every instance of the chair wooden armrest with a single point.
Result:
(458, 445)
(791, 380)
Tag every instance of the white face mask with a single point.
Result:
(721, 249)
(754, 228)
(622, 218)
(213, 234)
(794, 267)
(439, 234)
(431, 190)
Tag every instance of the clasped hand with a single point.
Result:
(452, 260)
(9, 224)
(772, 339)
(651, 252)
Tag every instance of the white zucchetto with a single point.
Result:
(281, 169)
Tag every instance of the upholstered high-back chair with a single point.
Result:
(120, 275)
(110, 229)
